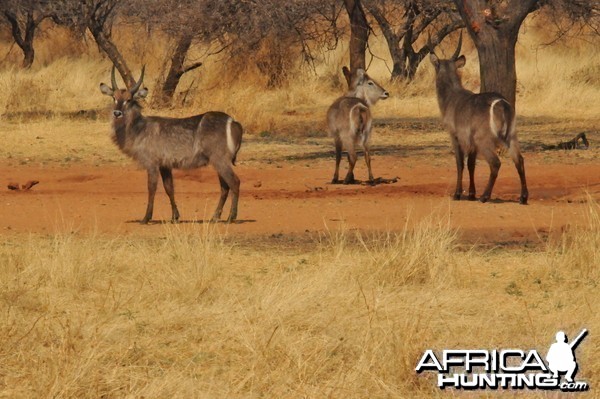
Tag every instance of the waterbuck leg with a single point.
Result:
(460, 166)
(222, 199)
(338, 158)
(492, 158)
(152, 183)
(520, 165)
(471, 160)
(368, 162)
(225, 171)
(349, 179)
(167, 178)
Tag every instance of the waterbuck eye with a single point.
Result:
(371, 83)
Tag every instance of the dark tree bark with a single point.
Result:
(24, 37)
(109, 48)
(495, 32)
(176, 71)
(99, 24)
(359, 34)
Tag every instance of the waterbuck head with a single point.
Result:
(447, 70)
(362, 86)
(125, 99)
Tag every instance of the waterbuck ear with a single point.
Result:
(359, 77)
(141, 93)
(460, 61)
(347, 75)
(106, 90)
(434, 60)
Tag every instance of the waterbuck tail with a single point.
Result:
(502, 120)
(234, 137)
(510, 137)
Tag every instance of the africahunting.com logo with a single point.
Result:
(507, 368)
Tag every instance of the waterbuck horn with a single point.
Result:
(113, 80)
(137, 86)
(457, 52)
(429, 44)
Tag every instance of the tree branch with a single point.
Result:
(190, 68)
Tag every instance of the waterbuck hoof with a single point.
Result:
(175, 221)
(471, 197)
(145, 221)
(230, 220)
(335, 181)
(484, 199)
(523, 200)
(456, 197)
(349, 180)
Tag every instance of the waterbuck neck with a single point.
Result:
(361, 94)
(129, 126)
(448, 87)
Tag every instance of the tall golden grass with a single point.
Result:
(192, 313)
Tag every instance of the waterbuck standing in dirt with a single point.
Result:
(349, 119)
(479, 125)
(162, 144)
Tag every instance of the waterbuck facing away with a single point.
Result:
(479, 125)
(162, 144)
(349, 120)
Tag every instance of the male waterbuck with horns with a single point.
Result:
(349, 120)
(162, 144)
(479, 125)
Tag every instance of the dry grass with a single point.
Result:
(553, 81)
(196, 314)
(193, 314)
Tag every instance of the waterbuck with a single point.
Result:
(349, 119)
(162, 144)
(479, 125)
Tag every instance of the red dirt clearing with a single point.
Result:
(298, 199)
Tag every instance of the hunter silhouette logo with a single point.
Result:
(507, 368)
(561, 355)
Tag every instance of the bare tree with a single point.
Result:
(268, 34)
(24, 18)
(96, 16)
(359, 34)
(574, 19)
(494, 28)
(402, 22)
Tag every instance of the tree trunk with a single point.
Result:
(113, 53)
(495, 32)
(176, 71)
(497, 68)
(392, 39)
(359, 34)
(165, 96)
(24, 39)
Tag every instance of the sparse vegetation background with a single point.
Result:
(197, 310)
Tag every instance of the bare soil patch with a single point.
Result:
(297, 198)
